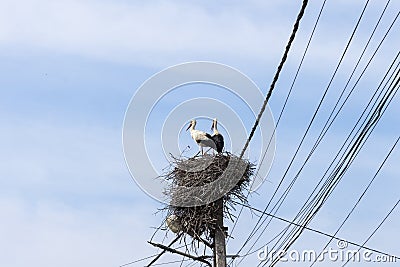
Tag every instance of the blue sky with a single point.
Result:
(68, 70)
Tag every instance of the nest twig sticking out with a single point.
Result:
(195, 173)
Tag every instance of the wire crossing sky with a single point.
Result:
(70, 68)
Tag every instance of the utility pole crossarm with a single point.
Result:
(201, 259)
(162, 252)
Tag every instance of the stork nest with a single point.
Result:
(196, 185)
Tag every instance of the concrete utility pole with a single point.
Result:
(219, 236)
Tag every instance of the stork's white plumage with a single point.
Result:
(217, 137)
(202, 139)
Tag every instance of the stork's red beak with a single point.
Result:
(190, 124)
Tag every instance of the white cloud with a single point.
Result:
(158, 32)
(135, 32)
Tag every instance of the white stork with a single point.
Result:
(202, 139)
(217, 137)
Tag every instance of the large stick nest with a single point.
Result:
(196, 185)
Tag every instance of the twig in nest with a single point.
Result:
(199, 221)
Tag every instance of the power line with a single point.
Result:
(256, 227)
(315, 231)
(327, 126)
(143, 259)
(314, 115)
(322, 134)
(342, 168)
(139, 260)
(340, 150)
(275, 79)
(289, 44)
(285, 103)
(376, 229)
(353, 208)
(303, 210)
(338, 153)
(359, 199)
(169, 262)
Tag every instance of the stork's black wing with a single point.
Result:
(208, 135)
(219, 142)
